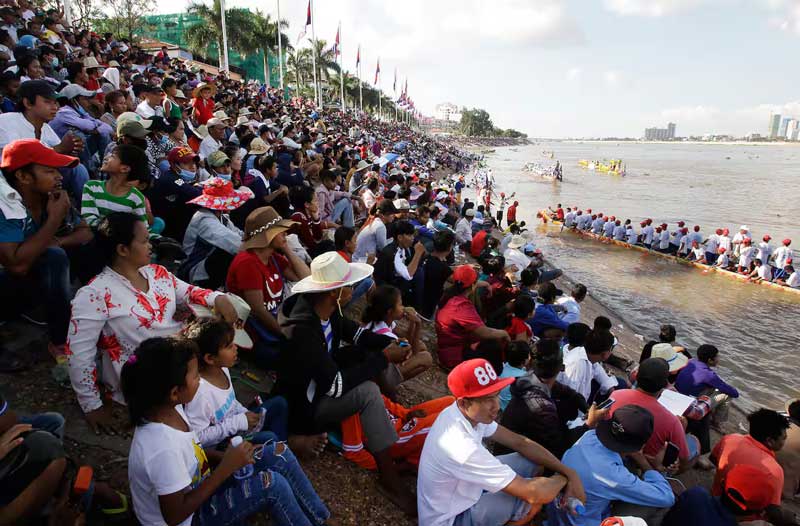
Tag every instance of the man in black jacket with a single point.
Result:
(540, 406)
(321, 392)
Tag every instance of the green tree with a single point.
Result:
(239, 22)
(476, 123)
(127, 16)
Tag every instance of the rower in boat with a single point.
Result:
(761, 271)
(675, 238)
(608, 227)
(619, 231)
(723, 260)
(712, 246)
(663, 239)
(725, 241)
(764, 249)
(597, 224)
(793, 279)
(738, 239)
(647, 233)
(781, 258)
(630, 234)
(747, 254)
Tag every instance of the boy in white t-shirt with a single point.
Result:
(793, 280)
(761, 272)
(461, 482)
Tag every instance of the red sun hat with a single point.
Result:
(475, 378)
(22, 152)
(219, 194)
(787, 241)
(466, 275)
(751, 488)
(767, 237)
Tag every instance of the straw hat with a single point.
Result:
(362, 165)
(204, 85)
(219, 194)
(330, 271)
(91, 62)
(665, 351)
(245, 112)
(517, 241)
(221, 115)
(201, 131)
(240, 336)
(242, 120)
(258, 147)
(262, 225)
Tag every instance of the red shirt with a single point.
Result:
(454, 325)
(478, 243)
(744, 449)
(345, 255)
(518, 326)
(560, 214)
(310, 232)
(666, 426)
(203, 109)
(248, 272)
(511, 214)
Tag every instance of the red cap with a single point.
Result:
(722, 250)
(767, 237)
(697, 228)
(685, 230)
(725, 231)
(466, 275)
(749, 487)
(663, 225)
(681, 223)
(588, 210)
(30, 151)
(719, 232)
(181, 154)
(747, 241)
(475, 378)
(643, 223)
(787, 241)
(613, 218)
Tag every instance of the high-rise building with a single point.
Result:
(784, 124)
(671, 131)
(660, 134)
(774, 125)
(792, 130)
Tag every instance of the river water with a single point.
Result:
(756, 329)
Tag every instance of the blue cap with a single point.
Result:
(478, 215)
(528, 248)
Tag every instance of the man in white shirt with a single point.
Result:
(725, 241)
(569, 218)
(515, 258)
(460, 482)
(463, 228)
(793, 280)
(288, 138)
(619, 231)
(738, 239)
(781, 257)
(630, 235)
(712, 246)
(212, 141)
(647, 233)
(151, 104)
(571, 312)
(608, 226)
(764, 249)
(582, 365)
(597, 225)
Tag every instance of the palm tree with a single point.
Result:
(326, 61)
(209, 31)
(298, 63)
(264, 36)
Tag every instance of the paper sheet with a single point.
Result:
(675, 402)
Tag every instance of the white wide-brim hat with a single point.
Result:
(240, 336)
(330, 271)
(517, 241)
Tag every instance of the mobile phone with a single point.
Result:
(403, 344)
(670, 455)
(608, 403)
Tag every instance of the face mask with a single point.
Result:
(54, 62)
(227, 177)
(187, 175)
(80, 110)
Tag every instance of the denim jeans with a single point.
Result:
(276, 419)
(47, 282)
(278, 485)
(496, 509)
(343, 212)
(361, 288)
(53, 423)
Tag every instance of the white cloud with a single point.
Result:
(787, 14)
(651, 8)
(574, 74)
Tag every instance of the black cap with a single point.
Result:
(628, 429)
(653, 375)
(152, 88)
(31, 88)
(387, 207)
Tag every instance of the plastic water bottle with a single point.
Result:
(247, 471)
(575, 506)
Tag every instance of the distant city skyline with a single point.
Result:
(573, 68)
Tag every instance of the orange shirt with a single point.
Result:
(744, 449)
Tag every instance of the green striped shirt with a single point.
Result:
(98, 203)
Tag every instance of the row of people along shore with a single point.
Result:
(319, 248)
(740, 253)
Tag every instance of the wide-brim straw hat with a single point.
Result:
(242, 120)
(362, 165)
(203, 85)
(221, 115)
(667, 352)
(330, 271)
(240, 336)
(261, 227)
(91, 62)
(517, 241)
(258, 147)
(219, 194)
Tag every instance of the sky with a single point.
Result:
(573, 68)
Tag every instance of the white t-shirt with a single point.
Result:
(455, 468)
(782, 254)
(794, 280)
(746, 256)
(208, 146)
(663, 242)
(579, 372)
(765, 272)
(573, 313)
(712, 246)
(514, 256)
(648, 232)
(764, 251)
(214, 413)
(162, 461)
(147, 111)
(725, 242)
(14, 126)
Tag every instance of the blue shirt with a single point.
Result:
(544, 318)
(697, 506)
(17, 230)
(508, 372)
(605, 478)
(697, 376)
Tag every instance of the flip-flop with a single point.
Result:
(122, 510)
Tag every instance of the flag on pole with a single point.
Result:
(308, 23)
(377, 70)
(358, 56)
(336, 43)
(394, 84)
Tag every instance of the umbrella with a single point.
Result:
(400, 146)
(388, 158)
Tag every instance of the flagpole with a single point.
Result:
(224, 65)
(341, 64)
(280, 47)
(317, 97)
(266, 69)
(394, 94)
(378, 74)
(360, 94)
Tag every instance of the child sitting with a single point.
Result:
(170, 476)
(518, 356)
(383, 311)
(523, 309)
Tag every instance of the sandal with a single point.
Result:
(122, 510)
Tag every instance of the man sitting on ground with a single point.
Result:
(460, 482)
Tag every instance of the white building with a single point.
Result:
(447, 111)
(792, 130)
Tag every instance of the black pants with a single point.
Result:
(216, 264)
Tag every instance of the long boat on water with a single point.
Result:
(614, 167)
(547, 220)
